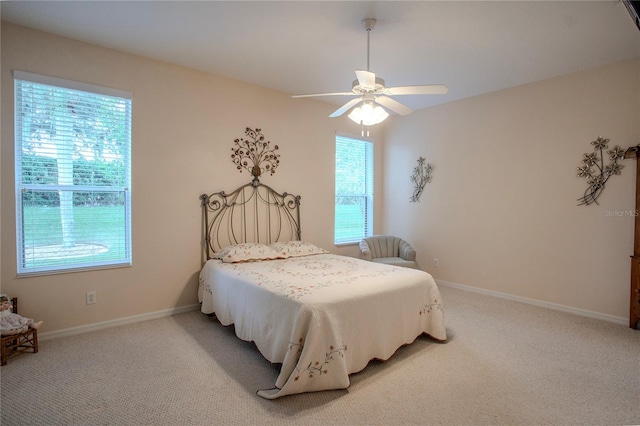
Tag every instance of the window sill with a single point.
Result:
(71, 270)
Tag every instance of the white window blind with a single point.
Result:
(73, 173)
(354, 190)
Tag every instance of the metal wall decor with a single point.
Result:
(255, 154)
(596, 179)
(421, 176)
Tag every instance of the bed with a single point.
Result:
(321, 316)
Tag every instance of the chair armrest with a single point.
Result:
(366, 251)
(406, 251)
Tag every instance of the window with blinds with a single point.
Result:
(354, 190)
(73, 175)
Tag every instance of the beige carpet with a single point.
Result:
(506, 363)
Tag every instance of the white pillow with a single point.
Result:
(246, 252)
(296, 248)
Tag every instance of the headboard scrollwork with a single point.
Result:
(252, 213)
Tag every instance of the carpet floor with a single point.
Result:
(505, 363)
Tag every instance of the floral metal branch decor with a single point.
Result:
(421, 176)
(255, 155)
(596, 179)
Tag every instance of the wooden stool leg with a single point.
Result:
(7, 342)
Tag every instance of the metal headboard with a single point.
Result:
(253, 213)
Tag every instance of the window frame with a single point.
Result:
(367, 194)
(20, 187)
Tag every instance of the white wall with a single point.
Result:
(184, 125)
(501, 213)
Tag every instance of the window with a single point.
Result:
(73, 173)
(354, 190)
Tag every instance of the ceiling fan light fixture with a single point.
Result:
(368, 114)
(371, 91)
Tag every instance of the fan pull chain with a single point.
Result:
(362, 126)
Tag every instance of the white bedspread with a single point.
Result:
(322, 316)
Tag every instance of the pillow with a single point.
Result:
(246, 252)
(296, 248)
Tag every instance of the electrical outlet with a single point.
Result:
(91, 297)
(436, 262)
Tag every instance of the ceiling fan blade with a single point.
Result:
(366, 79)
(429, 89)
(346, 107)
(393, 105)
(324, 94)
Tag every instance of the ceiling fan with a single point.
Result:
(370, 90)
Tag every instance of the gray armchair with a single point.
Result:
(389, 250)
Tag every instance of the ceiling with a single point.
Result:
(314, 46)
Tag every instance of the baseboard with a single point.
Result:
(549, 305)
(116, 322)
(183, 309)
